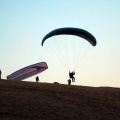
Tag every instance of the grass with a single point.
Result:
(44, 101)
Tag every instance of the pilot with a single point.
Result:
(71, 75)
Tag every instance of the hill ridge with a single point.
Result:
(46, 101)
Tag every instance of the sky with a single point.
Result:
(24, 23)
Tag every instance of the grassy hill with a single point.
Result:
(45, 101)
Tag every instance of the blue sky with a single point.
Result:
(24, 23)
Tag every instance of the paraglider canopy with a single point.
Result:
(72, 31)
(69, 45)
(28, 71)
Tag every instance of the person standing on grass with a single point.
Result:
(69, 82)
(0, 74)
(37, 79)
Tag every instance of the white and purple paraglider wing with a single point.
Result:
(28, 71)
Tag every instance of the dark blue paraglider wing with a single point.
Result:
(72, 31)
